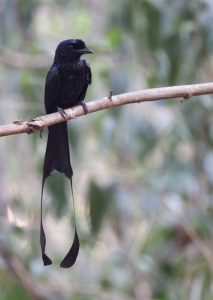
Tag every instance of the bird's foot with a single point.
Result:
(85, 108)
(63, 113)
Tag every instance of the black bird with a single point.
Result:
(66, 85)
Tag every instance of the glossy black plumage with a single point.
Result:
(66, 85)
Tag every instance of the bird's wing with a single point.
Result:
(87, 79)
(52, 89)
(88, 72)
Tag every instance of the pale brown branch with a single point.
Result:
(19, 60)
(173, 92)
(15, 266)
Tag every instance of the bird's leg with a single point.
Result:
(62, 113)
(85, 108)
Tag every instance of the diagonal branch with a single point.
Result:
(182, 91)
(21, 273)
(19, 60)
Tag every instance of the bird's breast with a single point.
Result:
(72, 84)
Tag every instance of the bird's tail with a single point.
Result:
(57, 157)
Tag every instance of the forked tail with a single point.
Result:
(57, 157)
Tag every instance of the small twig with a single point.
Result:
(201, 246)
(110, 95)
(173, 92)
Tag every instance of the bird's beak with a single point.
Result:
(86, 51)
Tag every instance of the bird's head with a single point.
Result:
(72, 49)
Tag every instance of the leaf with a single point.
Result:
(114, 37)
(100, 199)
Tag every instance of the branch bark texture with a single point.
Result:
(173, 92)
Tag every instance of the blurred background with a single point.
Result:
(143, 173)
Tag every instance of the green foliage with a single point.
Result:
(99, 202)
(114, 37)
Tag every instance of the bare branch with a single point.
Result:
(21, 273)
(19, 60)
(183, 92)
